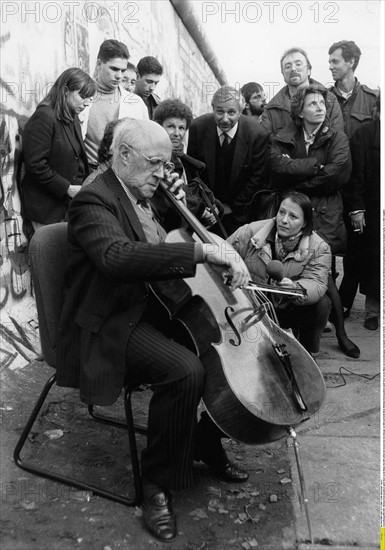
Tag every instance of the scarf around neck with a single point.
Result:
(283, 247)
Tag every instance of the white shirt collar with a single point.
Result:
(231, 133)
(309, 138)
(345, 95)
(132, 197)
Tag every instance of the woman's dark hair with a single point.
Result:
(104, 151)
(70, 80)
(304, 203)
(173, 108)
(298, 100)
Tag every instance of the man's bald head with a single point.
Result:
(142, 135)
(140, 149)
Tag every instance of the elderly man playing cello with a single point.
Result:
(112, 330)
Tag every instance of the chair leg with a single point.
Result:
(28, 427)
(105, 419)
(131, 429)
(30, 467)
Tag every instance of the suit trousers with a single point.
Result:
(176, 376)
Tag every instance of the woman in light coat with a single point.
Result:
(306, 263)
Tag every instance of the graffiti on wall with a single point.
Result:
(24, 83)
(19, 342)
(38, 41)
(25, 80)
(19, 338)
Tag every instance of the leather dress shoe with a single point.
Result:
(158, 514)
(231, 472)
(349, 348)
(228, 471)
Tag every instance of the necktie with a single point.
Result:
(152, 228)
(225, 140)
(145, 206)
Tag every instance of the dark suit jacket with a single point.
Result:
(251, 157)
(109, 266)
(51, 165)
(154, 101)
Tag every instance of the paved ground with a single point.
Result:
(340, 451)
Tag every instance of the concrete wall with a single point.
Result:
(38, 41)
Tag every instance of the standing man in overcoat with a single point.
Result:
(235, 151)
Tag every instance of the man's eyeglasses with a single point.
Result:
(155, 162)
(297, 65)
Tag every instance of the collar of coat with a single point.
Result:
(357, 87)
(289, 133)
(267, 233)
(195, 163)
(282, 99)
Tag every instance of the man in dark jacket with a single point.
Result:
(111, 328)
(149, 73)
(296, 71)
(362, 199)
(255, 100)
(357, 102)
(235, 152)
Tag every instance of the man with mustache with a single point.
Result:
(296, 71)
(255, 99)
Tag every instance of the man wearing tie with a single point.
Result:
(113, 330)
(235, 151)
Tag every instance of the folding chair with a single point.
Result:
(48, 252)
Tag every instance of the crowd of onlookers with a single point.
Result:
(239, 161)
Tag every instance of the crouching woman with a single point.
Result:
(306, 261)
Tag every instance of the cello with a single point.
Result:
(260, 381)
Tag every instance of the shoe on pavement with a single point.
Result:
(158, 515)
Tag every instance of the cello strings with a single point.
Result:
(260, 299)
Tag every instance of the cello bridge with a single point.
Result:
(254, 317)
